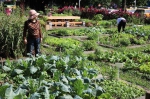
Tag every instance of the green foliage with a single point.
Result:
(73, 76)
(93, 36)
(141, 41)
(54, 9)
(76, 12)
(140, 3)
(104, 23)
(62, 44)
(78, 87)
(2, 91)
(145, 68)
(43, 20)
(113, 21)
(136, 77)
(122, 90)
(125, 42)
(68, 32)
(98, 17)
(105, 96)
(78, 51)
(68, 11)
(139, 31)
(131, 58)
(113, 73)
(41, 12)
(89, 45)
(62, 14)
(55, 76)
(64, 32)
(129, 37)
(11, 36)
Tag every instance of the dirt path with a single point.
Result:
(142, 97)
(137, 46)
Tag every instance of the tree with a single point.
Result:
(104, 3)
(22, 7)
(138, 2)
(142, 2)
(124, 5)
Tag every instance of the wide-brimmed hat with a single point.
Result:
(8, 7)
(33, 14)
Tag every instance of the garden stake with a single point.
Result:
(118, 65)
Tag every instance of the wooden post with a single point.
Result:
(47, 27)
(118, 65)
(83, 23)
(50, 25)
(67, 24)
(147, 95)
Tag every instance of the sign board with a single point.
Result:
(119, 65)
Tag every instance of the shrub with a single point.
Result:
(68, 11)
(93, 36)
(105, 23)
(141, 41)
(113, 22)
(98, 17)
(125, 42)
(137, 19)
(89, 45)
(145, 68)
(76, 12)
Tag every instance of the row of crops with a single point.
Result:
(55, 77)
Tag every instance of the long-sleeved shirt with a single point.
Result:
(32, 29)
(119, 19)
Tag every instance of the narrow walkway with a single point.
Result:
(143, 97)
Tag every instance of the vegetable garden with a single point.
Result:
(76, 63)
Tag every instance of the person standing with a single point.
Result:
(121, 23)
(99, 6)
(32, 35)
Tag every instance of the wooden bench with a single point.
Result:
(75, 23)
(58, 23)
(62, 18)
(65, 23)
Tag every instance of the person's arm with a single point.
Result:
(117, 21)
(40, 32)
(25, 32)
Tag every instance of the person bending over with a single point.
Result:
(121, 23)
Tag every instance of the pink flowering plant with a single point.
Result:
(90, 12)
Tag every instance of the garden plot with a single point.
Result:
(113, 48)
(56, 72)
